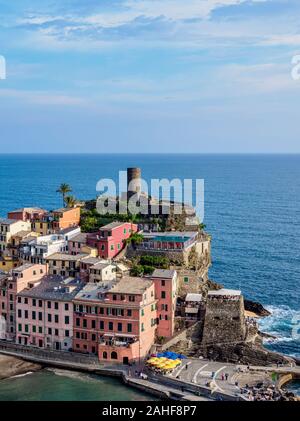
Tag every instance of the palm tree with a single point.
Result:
(63, 190)
(70, 201)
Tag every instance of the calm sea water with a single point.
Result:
(59, 385)
(252, 210)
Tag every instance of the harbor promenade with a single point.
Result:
(195, 379)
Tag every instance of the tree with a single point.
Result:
(63, 190)
(70, 201)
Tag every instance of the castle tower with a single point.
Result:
(134, 183)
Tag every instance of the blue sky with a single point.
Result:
(149, 76)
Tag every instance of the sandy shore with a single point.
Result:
(11, 366)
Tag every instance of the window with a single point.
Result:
(114, 355)
(163, 294)
(56, 332)
(49, 331)
(142, 327)
(34, 329)
(19, 327)
(66, 307)
(77, 322)
(105, 355)
(34, 302)
(129, 327)
(20, 313)
(26, 328)
(101, 325)
(40, 316)
(125, 231)
(129, 313)
(19, 298)
(40, 329)
(112, 247)
(84, 323)
(93, 324)
(131, 298)
(25, 300)
(33, 315)
(143, 312)
(163, 283)
(48, 304)
(49, 318)
(120, 327)
(67, 320)
(67, 333)
(114, 297)
(56, 306)
(93, 337)
(56, 318)
(186, 279)
(40, 303)
(110, 326)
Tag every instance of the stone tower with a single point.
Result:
(224, 317)
(134, 183)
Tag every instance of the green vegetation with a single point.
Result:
(63, 190)
(155, 261)
(135, 239)
(70, 201)
(147, 265)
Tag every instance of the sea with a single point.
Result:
(251, 210)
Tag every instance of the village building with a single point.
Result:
(45, 313)
(117, 321)
(64, 264)
(110, 239)
(77, 242)
(20, 278)
(37, 249)
(9, 227)
(27, 214)
(57, 220)
(165, 282)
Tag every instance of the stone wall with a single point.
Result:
(224, 321)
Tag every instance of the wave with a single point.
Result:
(75, 375)
(284, 324)
(21, 375)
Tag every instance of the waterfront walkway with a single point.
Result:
(195, 379)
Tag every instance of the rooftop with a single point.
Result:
(79, 238)
(131, 285)
(92, 260)
(54, 288)
(100, 265)
(92, 291)
(163, 273)
(6, 221)
(112, 225)
(23, 267)
(225, 292)
(68, 230)
(193, 297)
(66, 257)
(29, 210)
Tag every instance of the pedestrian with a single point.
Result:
(222, 377)
(212, 374)
(186, 367)
(226, 376)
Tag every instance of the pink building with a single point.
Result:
(44, 313)
(117, 323)
(22, 277)
(110, 239)
(165, 293)
(27, 214)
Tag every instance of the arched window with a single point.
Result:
(105, 355)
(114, 355)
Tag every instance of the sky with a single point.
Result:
(101, 76)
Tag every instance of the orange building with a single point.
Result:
(66, 218)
